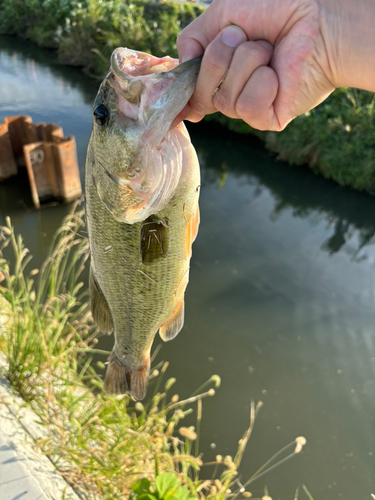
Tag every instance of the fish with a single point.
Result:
(142, 184)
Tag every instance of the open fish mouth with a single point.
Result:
(157, 89)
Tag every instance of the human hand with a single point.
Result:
(268, 61)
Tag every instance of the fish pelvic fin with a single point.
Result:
(171, 328)
(99, 306)
(192, 230)
(120, 379)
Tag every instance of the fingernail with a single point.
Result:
(266, 45)
(233, 36)
(185, 57)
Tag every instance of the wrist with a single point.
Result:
(347, 29)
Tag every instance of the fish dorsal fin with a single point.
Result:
(170, 329)
(99, 307)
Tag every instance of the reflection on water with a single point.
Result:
(281, 296)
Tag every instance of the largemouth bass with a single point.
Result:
(141, 188)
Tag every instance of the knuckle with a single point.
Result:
(222, 101)
(198, 106)
(245, 105)
(254, 51)
(255, 117)
(201, 104)
(255, 104)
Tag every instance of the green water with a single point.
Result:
(280, 302)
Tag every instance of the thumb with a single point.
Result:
(193, 40)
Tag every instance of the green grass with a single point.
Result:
(107, 447)
(336, 139)
(85, 32)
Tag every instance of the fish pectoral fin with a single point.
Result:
(99, 306)
(170, 329)
(119, 379)
(153, 239)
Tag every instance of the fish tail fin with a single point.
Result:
(120, 379)
(139, 381)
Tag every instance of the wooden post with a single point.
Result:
(36, 165)
(8, 166)
(17, 131)
(66, 165)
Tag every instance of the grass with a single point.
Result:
(336, 139)
(107, 447)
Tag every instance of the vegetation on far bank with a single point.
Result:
(107, 447)
(337, 139)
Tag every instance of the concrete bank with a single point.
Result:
(25, 472)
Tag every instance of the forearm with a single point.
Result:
(348, 28)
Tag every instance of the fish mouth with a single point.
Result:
(128, 64)
(151, 89)
(149, 94)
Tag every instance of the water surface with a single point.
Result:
(280, 302)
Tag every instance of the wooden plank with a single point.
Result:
(30, 173)
(53, 132)
(67, 167)
(30, 131)
(16, 125)
(39, 162)
(52, 170)
(8, 166)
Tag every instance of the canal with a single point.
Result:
(280, 302)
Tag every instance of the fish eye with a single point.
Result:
(101, 115)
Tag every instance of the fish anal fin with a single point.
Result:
(120, 379)
(170, 329)
(99, 306)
